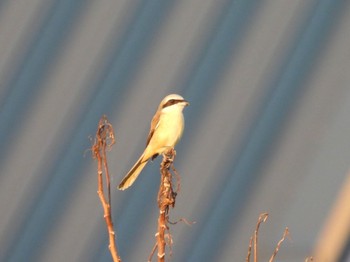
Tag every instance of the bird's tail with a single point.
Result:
(129, 179)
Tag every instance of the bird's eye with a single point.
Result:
(170, 102)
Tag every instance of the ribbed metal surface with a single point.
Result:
(267, 129)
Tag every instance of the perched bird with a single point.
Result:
(166, 130)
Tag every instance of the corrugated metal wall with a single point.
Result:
(267, 129)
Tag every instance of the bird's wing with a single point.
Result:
(154, 125)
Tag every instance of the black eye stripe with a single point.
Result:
(172, 102)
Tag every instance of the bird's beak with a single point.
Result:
(186, 103)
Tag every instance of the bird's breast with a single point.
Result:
(168, 132)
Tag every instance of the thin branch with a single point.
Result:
(249, 249)
(262, 218)
(104, 140)
(152, 253)
(285, 234)
(184, 220)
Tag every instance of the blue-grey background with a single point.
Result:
(267, 129)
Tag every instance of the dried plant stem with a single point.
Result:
(105, 139)
(166, 198)
(285, 234)
(152, 253)
(262, 218)
(249, 249)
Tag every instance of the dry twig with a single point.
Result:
(262, 218)
(249, 249)
(285, 234)
(166, 199)
(104, 140)
(152, 252)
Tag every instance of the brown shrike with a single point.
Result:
(166, 130)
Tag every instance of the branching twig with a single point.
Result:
(262, 218)
(104, 140)
(166, 199)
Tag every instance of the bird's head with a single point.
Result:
(173, 101)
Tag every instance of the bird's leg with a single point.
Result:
(154, 156)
